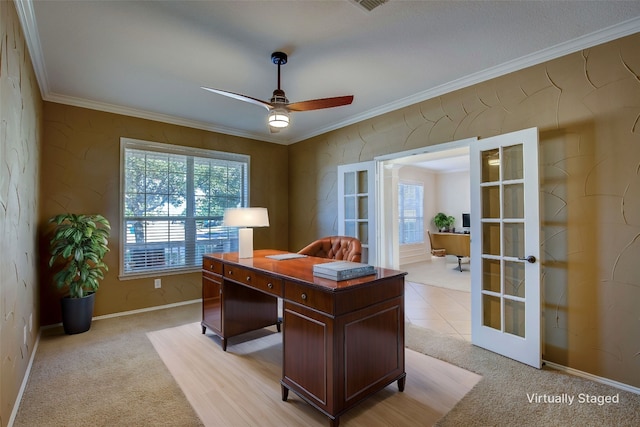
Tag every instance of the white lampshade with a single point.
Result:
(246, 218)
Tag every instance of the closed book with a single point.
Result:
(342, 270)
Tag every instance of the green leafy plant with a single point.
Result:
(443, 221)
(78, 246)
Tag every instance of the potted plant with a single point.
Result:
(78, 246)
(443, 221)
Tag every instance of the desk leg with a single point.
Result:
(285, 393)
(401, 382)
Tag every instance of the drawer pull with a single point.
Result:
(248, 278)
(304, 297)
(230, 272)
(270, 285)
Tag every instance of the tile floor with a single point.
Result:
(445, 308)
(440, 309)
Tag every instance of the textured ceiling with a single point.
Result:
(150, 58)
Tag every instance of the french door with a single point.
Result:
(505, 246)
(356, 206)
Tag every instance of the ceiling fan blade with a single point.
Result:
(240, 97)
(319, 104)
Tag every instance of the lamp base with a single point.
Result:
(245, 243)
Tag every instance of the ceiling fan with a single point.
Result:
(279, 106)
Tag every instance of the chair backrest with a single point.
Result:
(430, 240)
(335, 247)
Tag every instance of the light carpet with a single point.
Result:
(109, 376)
(113, 376)
(502, 397)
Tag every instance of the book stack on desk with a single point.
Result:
(342, 270)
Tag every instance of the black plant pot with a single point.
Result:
(77, 313)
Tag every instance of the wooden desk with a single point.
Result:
(457, 244)
(342, 341)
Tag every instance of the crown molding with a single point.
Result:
(608, 34)
(148, 115)
(27, 19)
(29, 25)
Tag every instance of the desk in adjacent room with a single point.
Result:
(458, 244)
(342, 341)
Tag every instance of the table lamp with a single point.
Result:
(245, 219)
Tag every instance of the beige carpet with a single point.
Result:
(112, 376)
(440, 271)
(109, 376)
(242, 386)
(502, 397)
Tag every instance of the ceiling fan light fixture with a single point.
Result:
(278, 118)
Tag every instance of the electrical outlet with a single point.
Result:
(31, 322)
(157, 283)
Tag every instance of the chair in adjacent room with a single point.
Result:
(439, 252)
(335, 247)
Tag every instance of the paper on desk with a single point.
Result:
(281, 257)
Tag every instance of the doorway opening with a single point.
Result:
(437, 292)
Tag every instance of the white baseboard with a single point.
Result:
(144, 310)
(23, 386)
(127, 313)
(601, 380)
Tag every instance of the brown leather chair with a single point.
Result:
(335, 247)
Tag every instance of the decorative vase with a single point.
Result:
(77, 313)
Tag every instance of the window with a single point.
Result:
(410, 213)
(173, 201)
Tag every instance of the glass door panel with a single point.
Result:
(356, 190)
(491, 275)
(513, 161)
(513, 201)
(514, 279)
(513, 243)
(514, 318)
(491, 244)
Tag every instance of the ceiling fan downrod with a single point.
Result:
(279, 58)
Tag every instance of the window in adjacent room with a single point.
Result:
(173, 201)
(411, 213)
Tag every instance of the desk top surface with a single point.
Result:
(448, 233)
(301, 269)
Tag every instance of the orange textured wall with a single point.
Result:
(587, 108)
(20, 138)
(81, 174)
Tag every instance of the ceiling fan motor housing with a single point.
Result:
(279, 58)
(279, 97)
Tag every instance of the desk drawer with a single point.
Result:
(212, 265)
(268, 284)
(309, 297)
(238, 274)
(254, 279)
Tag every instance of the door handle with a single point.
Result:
(530, 259)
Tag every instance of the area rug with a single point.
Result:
(242, 386)
(439, 272)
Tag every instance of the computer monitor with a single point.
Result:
(466, 220)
